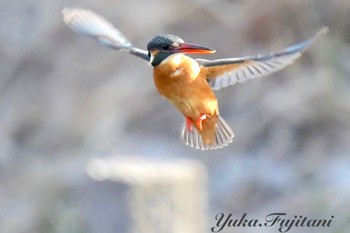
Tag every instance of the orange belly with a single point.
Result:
(179, 80)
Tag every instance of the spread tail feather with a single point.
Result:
(223, 136)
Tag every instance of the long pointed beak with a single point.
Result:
(193, 48)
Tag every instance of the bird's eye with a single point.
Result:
(165, 46)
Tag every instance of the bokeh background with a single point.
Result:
(64, 101)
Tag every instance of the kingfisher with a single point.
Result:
(189, 83)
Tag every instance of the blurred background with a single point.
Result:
(66, 102)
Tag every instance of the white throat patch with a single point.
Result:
(151, 59)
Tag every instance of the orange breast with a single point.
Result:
(178, 78)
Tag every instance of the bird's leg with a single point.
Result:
(189, 124)
(199, 121)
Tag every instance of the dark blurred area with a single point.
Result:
(65, 100)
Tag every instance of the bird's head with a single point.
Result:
(161, 46)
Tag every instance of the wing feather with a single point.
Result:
(92, 25)
(226, 72)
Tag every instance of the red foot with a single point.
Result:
(199, 121)
(189, 124)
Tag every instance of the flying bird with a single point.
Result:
(188, 83)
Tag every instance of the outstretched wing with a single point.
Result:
(95, 26)
(225, 72)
